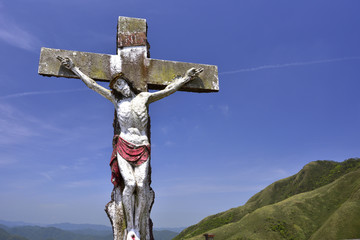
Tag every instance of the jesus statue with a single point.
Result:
(131, 148)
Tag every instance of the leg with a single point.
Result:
(127, 173)
(116, 214)
(142, 187)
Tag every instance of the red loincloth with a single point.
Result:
(136, 155)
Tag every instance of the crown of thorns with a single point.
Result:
(118, 76)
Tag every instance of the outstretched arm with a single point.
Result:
(67, 62)
(176, 85)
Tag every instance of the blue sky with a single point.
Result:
(289, 83)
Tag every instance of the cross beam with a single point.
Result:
(132, 60)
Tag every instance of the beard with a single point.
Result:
(117, 94)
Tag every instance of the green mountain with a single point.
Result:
(74, 232)
(51, 233)
(4, 235)
(70, 231)
(322, 201)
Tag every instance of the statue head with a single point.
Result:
(119, 84)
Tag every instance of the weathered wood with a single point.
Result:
(134, 62)
(155, 73)
(96, 66)
(131, 32)
(161, 73)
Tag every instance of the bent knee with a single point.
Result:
(130, 185)
(142, 186)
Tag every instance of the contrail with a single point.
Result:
(23, 94)
(290, 65)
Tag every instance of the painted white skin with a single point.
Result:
(132, 113)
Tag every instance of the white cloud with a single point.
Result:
(169, 143)
(47, 175)
(18, 127)
(164, 130)
(52, 206)
(11, 128)
(13, 34)
(77, 164)
(294, 64)
(7, 161)
(281, 172)
(223, 109)
(82, 184)
(205, 188)
(24, 94)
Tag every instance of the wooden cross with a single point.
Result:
(132, 60)
(134, 63)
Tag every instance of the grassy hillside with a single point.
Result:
(305, 205)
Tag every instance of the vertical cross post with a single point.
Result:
(135, 65)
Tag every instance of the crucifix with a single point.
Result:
(131, 72)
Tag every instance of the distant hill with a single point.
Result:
(51, 233)
(15, 223)
(72, 226)
(164, 234)
(172, 229)
(322, 201)
(4, 235)
(67, 231)
(87, 229)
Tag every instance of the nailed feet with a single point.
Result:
(132, 235)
